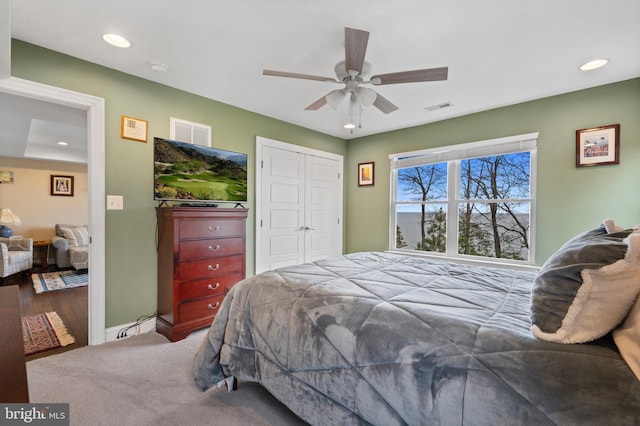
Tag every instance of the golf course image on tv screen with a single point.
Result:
(195, 173)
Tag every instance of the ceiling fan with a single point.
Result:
(354, 72)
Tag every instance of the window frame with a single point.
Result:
(453, 155)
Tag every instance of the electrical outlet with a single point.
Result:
(115, 202)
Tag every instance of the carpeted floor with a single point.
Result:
(50, 281)
(146, 380)
(43, 332)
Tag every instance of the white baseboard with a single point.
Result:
(111, 334)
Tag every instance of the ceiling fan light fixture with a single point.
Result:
(116, 40)
(367, 96)
(595, 64)
(349, 126)
(335, 98)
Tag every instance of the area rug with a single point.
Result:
(43, 332)
(50, 281)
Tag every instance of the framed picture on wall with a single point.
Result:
(133, 129)
(6, 176)
(365, 174)
(598, 146)
(62, 185)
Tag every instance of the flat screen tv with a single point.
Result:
(195, 174)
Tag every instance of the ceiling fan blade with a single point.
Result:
(317, 104)
(296, 75)
(415, 76)
(355, 46)
(384, 104)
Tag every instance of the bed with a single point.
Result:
(389, 339)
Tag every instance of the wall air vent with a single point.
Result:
(439, 106)
(190, 132)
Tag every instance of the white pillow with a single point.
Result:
(627, 338)
(77, 236)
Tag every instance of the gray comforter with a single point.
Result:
(385, 339)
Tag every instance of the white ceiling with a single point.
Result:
(499, 52)
(33, 128)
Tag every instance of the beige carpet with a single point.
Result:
(146, 380)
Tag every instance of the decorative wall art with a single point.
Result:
(134, 129)
(62, 185)
(365, 174)
(6, 176)
(598, 146)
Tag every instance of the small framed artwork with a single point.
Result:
(6, 176)
(62, 185)
(134, 129)
(598, 146)
(365, 174)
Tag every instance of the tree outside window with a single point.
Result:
(488, 214)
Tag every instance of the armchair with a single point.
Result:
(17, 255)
(71, 244)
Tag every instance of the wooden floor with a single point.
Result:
(71, 305)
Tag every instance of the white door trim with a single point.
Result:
(96, 176)
(262, 142)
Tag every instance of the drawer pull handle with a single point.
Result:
(213, 287)
(217, 228)
(217, 247)
(210, 306)
(211, 268)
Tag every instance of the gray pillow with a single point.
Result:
(586, 288)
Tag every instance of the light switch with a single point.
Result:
(115, 202)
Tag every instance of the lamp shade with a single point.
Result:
(7, 218)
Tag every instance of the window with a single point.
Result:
(474, 200)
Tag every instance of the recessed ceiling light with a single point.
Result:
(116, 40)
(595, 64)
(63, 143)
(349, 126)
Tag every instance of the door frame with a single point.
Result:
(262, 142)
(94, 106)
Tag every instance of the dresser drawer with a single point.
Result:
(195, 229)
(199, 308)
(215, 267)
(208, 286)
(198, 249)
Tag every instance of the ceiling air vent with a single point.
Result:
(190, 132)
(439, 106)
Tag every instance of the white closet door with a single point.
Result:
(299, 201)
(322, 224)
(283, 218)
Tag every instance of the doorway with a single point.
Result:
(94, 106)
(298, 204)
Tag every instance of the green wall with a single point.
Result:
(569, 199)
(130, 234)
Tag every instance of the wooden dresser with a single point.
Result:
(201, 255)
